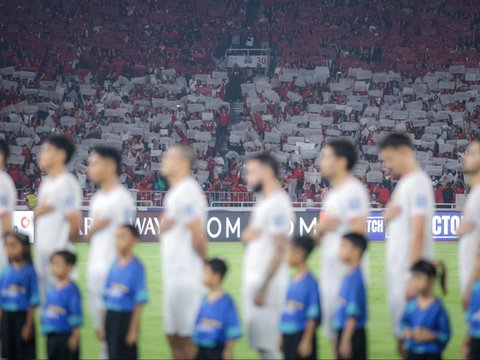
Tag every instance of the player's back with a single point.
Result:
(64, 194)
(118, 207)
(413, 195)
(183, 203)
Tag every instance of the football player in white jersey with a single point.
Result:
(409, 223)
(265, 271)
(469, 229)
(183, 248)
(8, 200)
(110, 207)
(57, 215)
(346, 210)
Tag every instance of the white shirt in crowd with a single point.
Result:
(345, 202)
(8, 200)
(183, 203)
(469, 243)
(64, 194)
(118, 206)
(272, 216)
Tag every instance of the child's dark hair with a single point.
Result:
(357, 240)
(69, 257)
(432, 270)
(133, 230)
(218, 266)
(304, 243)
(24, 240)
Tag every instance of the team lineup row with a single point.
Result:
(271, 303)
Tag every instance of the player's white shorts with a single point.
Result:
(397, 301)
(181, 302)
(262, 321)
(96, 279)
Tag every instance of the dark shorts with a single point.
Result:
(359, 344)
(290, 347)
(204, 353)
(116, 329)
(57, 347)
(13, 347)
(474, 349)
(413, 356)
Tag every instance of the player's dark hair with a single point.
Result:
(266, 159)
(344, 148)
(69, 257)
(432, 270)
(110, 154)
(132, 229)
(4, 148)
(396, 140)
(304, 243)
(218, 266)
(24, 240)
(357, 240)
(64, 143)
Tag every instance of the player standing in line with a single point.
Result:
(8, 200)
(183, 248)
(409, 223)
(469, 229)
(265, 269)
(346, 211)
(110, 207)
(57, 215)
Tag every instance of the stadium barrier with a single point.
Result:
(225, 225)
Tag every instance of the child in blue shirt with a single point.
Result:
(472, 338)
(61, 316)
(125, 293)
(217, 325)
(351, 315)
(18, 299)
(301, 314)
(425, 323)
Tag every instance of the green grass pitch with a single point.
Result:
(380, 341)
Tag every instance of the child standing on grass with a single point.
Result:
(125, 294)
(301, 315)
(18, 299)
(471, 344)
(425, 322)
(217, 325)
(351, 315)
(62, 312)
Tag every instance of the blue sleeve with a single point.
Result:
(313, 303)
(233, 328)
(32, 289)
(443, 323)
(353, 299)
(75, 317)
(139, 288)
(406, 322)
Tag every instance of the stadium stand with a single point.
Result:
(142, 75)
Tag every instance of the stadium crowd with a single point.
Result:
(130, 77)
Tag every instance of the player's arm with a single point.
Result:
(418, 237)
(474, 275)
(73, 218)
(359, 225)
(27, 328)
(345, 347)
(465, 227)
(166, 224)
(134, 326)
(250, 233)
(280, 241)
(465, 346)
(199, 239)
(42, 209)
(329, 223)
(74, 339)
(98, 225)
(6, 219)
(228, 350)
